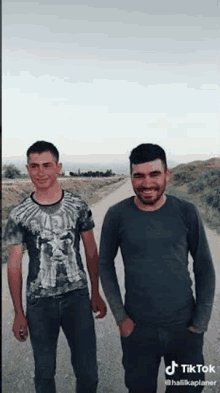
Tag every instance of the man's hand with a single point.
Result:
(126, 327)
(20, 327)
(98, 306)
(194, 329)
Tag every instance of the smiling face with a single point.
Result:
(149, 183)
(43, 170)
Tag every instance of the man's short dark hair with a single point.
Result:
(147, 152)
(41, 147)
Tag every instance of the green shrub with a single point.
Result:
(210, 178)
(11, 172)
(182, 177)
(212, 197)
(195, 188)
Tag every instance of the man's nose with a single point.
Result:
(147, 182)
(40, 170)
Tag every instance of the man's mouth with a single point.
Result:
(41, 181)
(148, 192)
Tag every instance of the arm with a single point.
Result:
(109, 245)
(15, 285)
(98, 305)
(204, 274)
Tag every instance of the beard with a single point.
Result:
(150, 196)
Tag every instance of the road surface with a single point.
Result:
(18, 364)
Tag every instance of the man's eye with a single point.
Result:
(155, 174)
(137, 176)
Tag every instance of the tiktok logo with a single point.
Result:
(170, 370)
(189, 368)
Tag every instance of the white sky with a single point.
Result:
(100, 79)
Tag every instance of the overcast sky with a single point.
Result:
(97, 77)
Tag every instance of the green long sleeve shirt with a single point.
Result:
(155, 247)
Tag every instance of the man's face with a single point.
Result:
(43, 170)
(149, 181)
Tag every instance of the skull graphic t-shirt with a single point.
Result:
(51, 234)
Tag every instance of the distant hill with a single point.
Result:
(189, 172)
(212, 162)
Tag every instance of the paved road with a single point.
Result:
(18, 365)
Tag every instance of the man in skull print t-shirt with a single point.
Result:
(49, 224)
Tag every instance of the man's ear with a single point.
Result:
(168, 175)
(27, 167)
(131, 170)
(59, 167)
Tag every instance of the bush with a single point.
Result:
(212, 197)
(11, 172)
(209, 178)
(183, 177)
(108, 173)
(195, 188)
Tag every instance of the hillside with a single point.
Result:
(199, 181)
(184, 173)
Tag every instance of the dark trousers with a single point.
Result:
(142, 352)
(72, 312)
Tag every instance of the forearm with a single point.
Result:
(205, 288)
(112, 291)
(15, 287)
(109, 244)
(93, 270)
(203, 270)
(20, 324)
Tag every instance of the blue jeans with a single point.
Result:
(72, 311)
(142, 352)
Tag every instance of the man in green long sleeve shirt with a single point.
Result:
(160, 317)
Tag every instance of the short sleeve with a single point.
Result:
(13, 233)
(85, 218)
